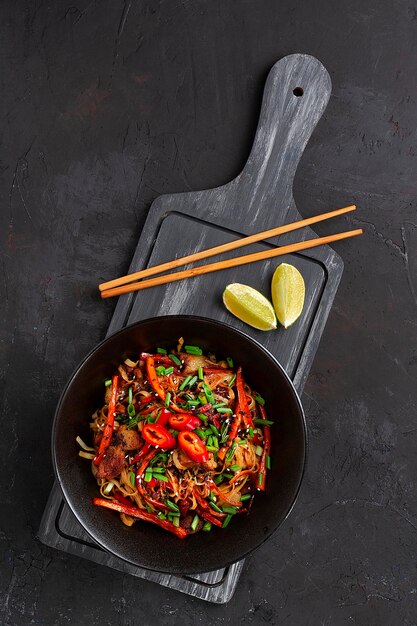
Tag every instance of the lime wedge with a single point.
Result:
(250, 306)
(288, 293)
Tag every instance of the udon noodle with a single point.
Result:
(181, 441)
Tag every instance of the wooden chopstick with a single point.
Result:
(221, 265)
(226, 247)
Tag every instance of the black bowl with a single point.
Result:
(148, 546)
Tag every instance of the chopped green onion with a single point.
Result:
(224, 410)
(259, 450)
(195, 521)
(214, 429)
(108, 488)
(211, 448)
(160, 370)
(229, 361)
(132, 478)
(215, 442)
(242, 442)
(229, 455)
(193, 381)
(229, 509)
(149, 508)
(193, 402)
(130, 395)
(148, 475)
(107, 382)
(151, 419)
(172, 505)
(161, 351)
(202, 398)
(161, 477)
(227, 475)
(185, 383)
(169, 370)
(232, 380)
(193, 350)
(226, 521)
(212, 496)
(251, 433)
(260, 478)
(235, 468)
(159, 470)
(207, 526)
(210, 440)
(131, 410)
(218, 479)
(216, 406)
(176, 521)
(215, 507)
(200, 373)
(263, 422)
(208, 392)
(268, 462)
(223, 432)
(259, 399)
(200, 433)
(174, 359)
(202, 417)
(161, 515)
(167, 399)
(246, 496)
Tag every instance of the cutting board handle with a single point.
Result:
(296, 93)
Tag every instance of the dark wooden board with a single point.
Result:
(259, 198)
(178, 224)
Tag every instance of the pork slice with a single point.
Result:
(112, 463)
(129, 438)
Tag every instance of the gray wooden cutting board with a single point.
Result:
(179, 224)
(296, 93)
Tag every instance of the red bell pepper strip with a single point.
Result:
(146, 399)
(265, 453)
(158, 358)
(121, 498)
(204, 506)
(144, 450)
(209, 517)
(163, 417)
(133, 511)
(109, 426)
(139, 481)
(243, 400)
(159, 436)
(219, 492)
(184, 421)
(193, 446)
(217, 370)
(240, 475)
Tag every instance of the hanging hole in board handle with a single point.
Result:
(298, 91)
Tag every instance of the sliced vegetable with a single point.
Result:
(184, 421)
(109, 426)
(193, 446)
(142, 515)
(158, 435)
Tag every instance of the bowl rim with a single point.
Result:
(198, 318)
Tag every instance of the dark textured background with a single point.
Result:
(105, 105)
